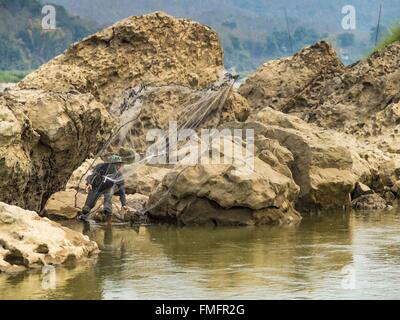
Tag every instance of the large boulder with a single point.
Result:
(361, 99)
(43, 138)
(143, 179)
(277, 82)
(156, 107)
(29, 241)
(225, 194)
(325, 170)
(369, 202)
(65, 205)
(152, 49)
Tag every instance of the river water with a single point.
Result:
(339, 256)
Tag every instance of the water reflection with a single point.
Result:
(303, 261)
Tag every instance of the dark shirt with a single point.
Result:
(104, 177)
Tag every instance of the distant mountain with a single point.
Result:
(253, 31)
(325, 14)
(24, 44)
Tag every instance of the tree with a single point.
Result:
(305, 36)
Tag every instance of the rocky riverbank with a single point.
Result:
(326, 135)
(29, 241)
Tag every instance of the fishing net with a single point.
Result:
(194, 110)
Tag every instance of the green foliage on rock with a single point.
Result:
(393, 36)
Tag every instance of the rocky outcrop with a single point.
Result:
(369, 202)
(43, 138)
(61, 205)
(58, 115)
(225, 194)
(325, 170)
(277, 82)
(29, 241)
(143, 179)
(152, 49)
(361, 99)
(352, 108)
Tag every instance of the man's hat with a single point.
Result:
(114, 159)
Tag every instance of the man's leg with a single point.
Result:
(108, 204)
(90, 202)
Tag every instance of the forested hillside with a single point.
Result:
(24, 44)
(253, 31)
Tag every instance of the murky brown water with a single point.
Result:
(339, 256)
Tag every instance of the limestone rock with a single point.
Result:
(43, 138)
(222, 194)
(369, 202)
(396, 188)
(360, 190)
(61, 205)
(143, 179)
(28, 241)
(361, 100)
(325, 170)
(366, 92)
(276, 82)
(153, 48)
(273, 153)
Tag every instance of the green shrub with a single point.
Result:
(12, 76)
(394, 35)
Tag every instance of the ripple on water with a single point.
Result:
(309, 261)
